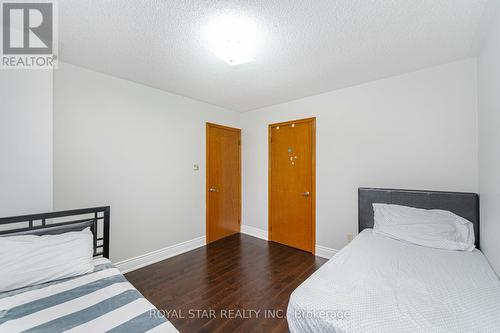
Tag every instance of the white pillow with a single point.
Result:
(29, 260)
(434, 228)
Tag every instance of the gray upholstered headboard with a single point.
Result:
(465, 205)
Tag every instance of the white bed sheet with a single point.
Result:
(379, 284)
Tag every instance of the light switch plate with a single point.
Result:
(196, 167)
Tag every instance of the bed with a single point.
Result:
(380, 284)
(99, 301)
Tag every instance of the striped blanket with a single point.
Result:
(102, 301)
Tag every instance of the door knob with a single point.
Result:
(213, 189)
(306, 194)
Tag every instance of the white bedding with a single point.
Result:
(379, 284)
(101, 301)
(44, 258)
(435, 228)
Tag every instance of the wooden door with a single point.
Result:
(292, 165)
(223, 187)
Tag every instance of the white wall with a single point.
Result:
(132, 147)
(417, 130)
(489, 145)
(25, 142)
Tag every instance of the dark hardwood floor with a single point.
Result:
(244, 282)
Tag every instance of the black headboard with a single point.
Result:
(465, 205)
(59, 222)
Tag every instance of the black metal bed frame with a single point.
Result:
(97, 219)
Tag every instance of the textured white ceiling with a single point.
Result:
(309, 46)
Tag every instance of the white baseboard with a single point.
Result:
(132, 264)
(321, 251)
(255, 232)
(325, 252)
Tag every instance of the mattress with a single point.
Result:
(96, 302)
(379, 284)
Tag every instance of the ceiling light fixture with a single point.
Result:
(233, 38)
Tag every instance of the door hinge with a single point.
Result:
(239, 221)
(239, 142)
